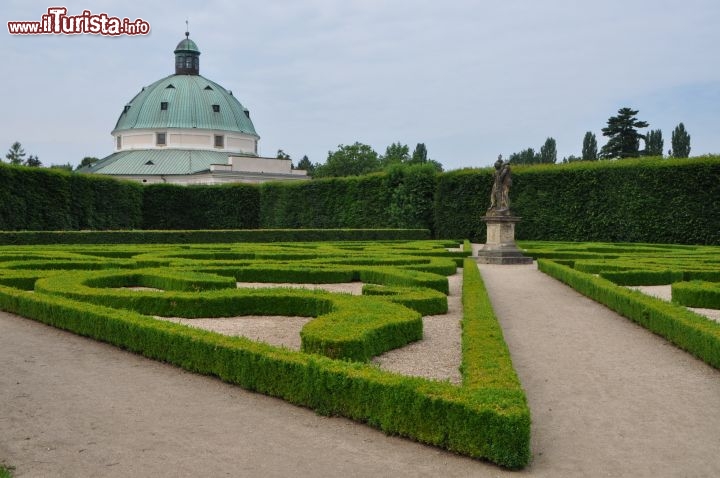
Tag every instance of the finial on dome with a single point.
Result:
(187, 29)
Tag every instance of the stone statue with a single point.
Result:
(500, 195)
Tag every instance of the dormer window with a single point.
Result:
(216, 108)
(160, 139)
(126, 109)
(163, 105)
(247, 113)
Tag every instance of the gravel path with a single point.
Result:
(607, 397)
(664, 292)
(437, 356)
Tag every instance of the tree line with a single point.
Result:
(16, 156)
(624, 137)
(359, 159)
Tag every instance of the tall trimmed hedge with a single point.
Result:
(402, 198)
(640, 200)
(632, 200)
(170, 206)
(46, 199)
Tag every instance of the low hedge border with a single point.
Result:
(207, 236)
(423, 300)
(689, 331)
(482, 420)
(697, 294)
(345, 327)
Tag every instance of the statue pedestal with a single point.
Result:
(500, 245)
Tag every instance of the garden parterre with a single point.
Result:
(603, 272)
(86, 289)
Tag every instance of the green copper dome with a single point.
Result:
(185, 101)
(187, 45)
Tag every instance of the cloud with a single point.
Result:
(470, 79)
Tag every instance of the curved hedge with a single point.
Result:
(697, 294)
(486, 418)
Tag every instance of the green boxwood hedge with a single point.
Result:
(692, 332)
(697, 294)
(630, 200)
(485, 418)
(636, 200)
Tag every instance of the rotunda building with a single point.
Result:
(187, 129)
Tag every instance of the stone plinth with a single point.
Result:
(500, 247)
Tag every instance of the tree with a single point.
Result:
(419, 155)
(589, 149)
(526, 156)
(548, 151)
(282, 154)
(680, 142)
(624, 139)
(16, 153)
(66, 167)
(571, 159)
(654, 143)
(33, 162)
(396, 153)
(353, 160)
(87, 161)
(306, 165)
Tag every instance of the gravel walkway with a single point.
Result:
(607, 397)
(664, 292)
(438, 355)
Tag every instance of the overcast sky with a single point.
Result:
(470, 79)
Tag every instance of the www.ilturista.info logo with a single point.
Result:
(57, 22)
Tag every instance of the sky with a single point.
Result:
(471, 79)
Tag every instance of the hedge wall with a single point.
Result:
(632, 200)
(170, 206)
(46, 199)
(402, 198)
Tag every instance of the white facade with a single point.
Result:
(179, 138)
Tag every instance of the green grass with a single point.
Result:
(5, 471)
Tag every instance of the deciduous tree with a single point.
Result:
(354, 160)
(87, 161)
(654, 143)
(680, 142)
(396, 153)
(526, 156)
(33, 161)
(590, 147)
(548, 151)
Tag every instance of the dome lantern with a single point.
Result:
(187, 57)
